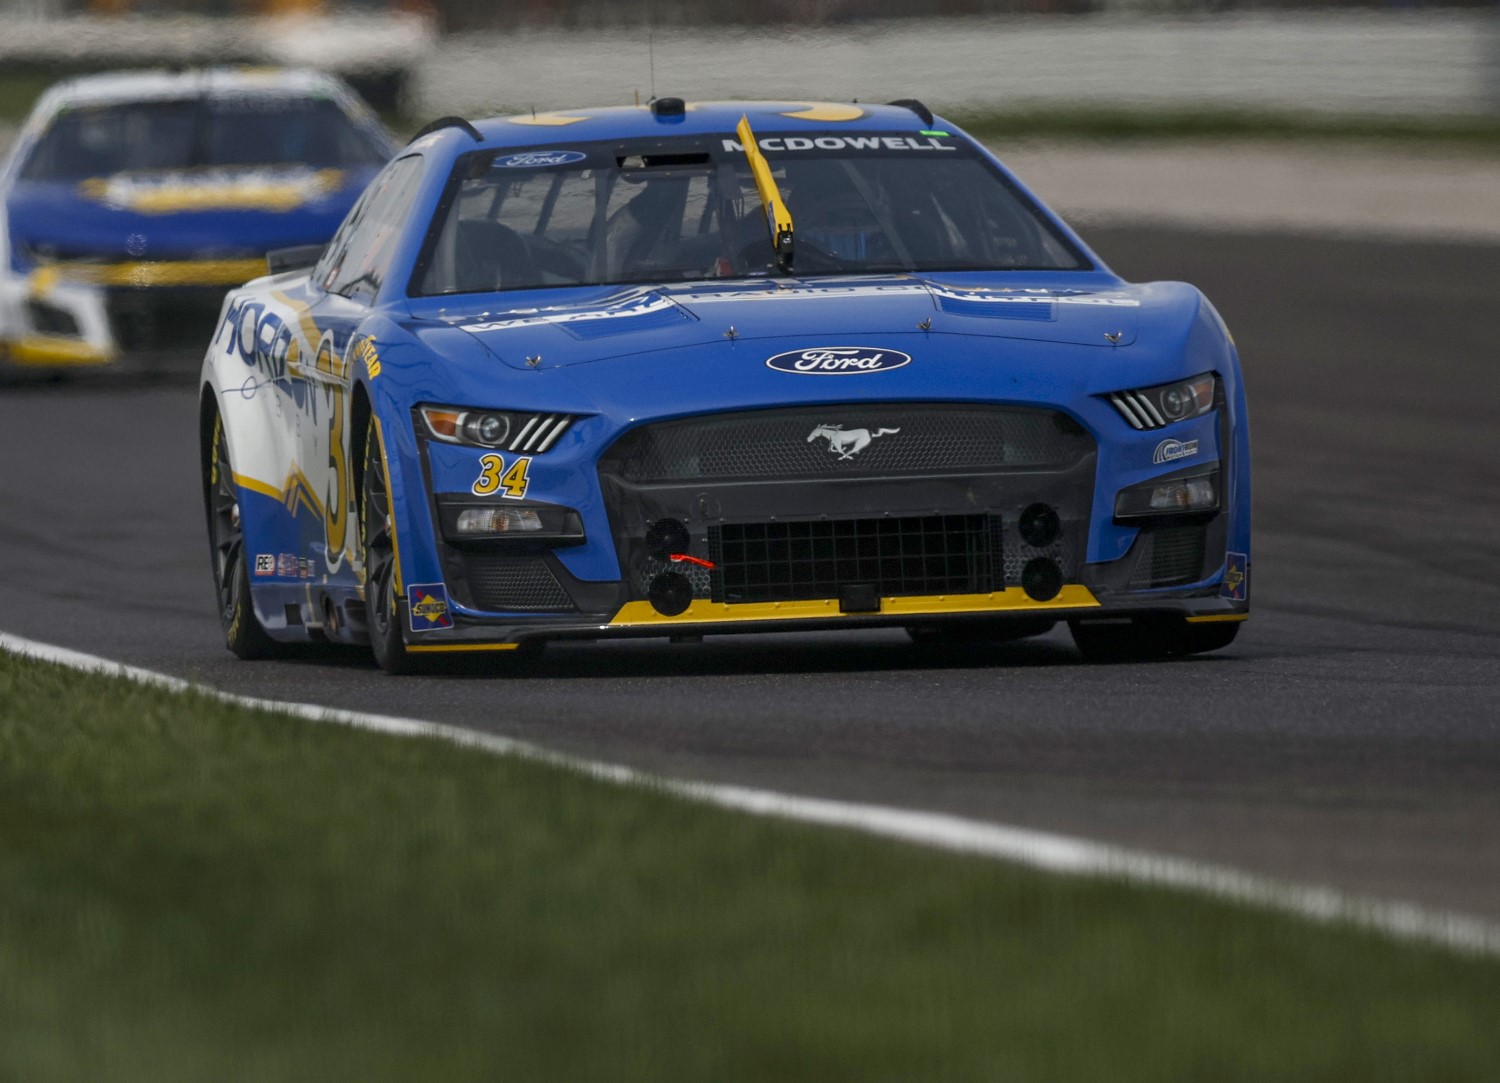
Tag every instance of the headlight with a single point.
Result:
(1181, 495)
(505, 429)
(1155, 407)
(463, 519)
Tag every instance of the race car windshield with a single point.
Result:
(608, 215)
(227, 132)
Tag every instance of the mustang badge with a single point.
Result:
(846, 445)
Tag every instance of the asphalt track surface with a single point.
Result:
(1350, 737)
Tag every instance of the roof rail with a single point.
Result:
(916, 107)
(448, 122)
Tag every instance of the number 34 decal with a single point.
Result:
(496, 477)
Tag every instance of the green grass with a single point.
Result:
(190, 892)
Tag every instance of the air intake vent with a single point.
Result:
(539, 432)
(1138, 410)
(792, 561)
(1169, 556)
(503, 584)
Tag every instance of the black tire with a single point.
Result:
(378, 550)
(243, 633)
(984, 630)
(1151, 639)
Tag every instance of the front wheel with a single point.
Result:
(1149, 639)
(378, 548)
(243, 633)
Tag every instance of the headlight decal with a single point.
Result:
(505, 430)
(1165, 404)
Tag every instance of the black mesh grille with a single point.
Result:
(1170, 556)
(501, 583)
(931, 554)
(847, 440)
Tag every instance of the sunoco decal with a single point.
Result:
(428, 604)
(535, 159)
(1236, 586)
(838, 361)
(1169, 451)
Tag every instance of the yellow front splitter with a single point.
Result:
(54, 351)
(1012, 600)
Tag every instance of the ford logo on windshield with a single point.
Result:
(838, 360)
(533, 158)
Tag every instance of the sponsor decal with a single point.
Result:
(276, 189)
(286, 565)
(999, 296)
(265, 563)
(536, 159)
(847, 443)
(1169, 451)
(304, 568)
(634, 303)
(838, 361)
(782, 143)
(428, 603)
(364, 350)
(1236, 585)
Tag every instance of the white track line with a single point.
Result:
(1037, 849)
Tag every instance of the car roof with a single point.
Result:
(107, 88)
(697, 118)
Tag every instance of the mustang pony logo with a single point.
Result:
(846, 445)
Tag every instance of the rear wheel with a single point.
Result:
(1150, 638)
(378, 548)
(243, 633)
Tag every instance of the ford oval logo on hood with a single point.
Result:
(838, 360)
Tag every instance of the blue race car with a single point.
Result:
(134, 200)
(695, 368)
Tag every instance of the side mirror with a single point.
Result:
(300, 258)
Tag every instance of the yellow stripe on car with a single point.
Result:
(1014, 599)
(450, 648)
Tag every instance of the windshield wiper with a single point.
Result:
(778, 218)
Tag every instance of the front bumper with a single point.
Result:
(711, 536)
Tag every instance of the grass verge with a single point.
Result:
(194, 891)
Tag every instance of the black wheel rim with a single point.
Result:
(379, 549)
(225, 530)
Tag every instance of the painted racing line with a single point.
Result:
(1054, 853)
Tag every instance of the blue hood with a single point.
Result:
(569, 327)
(666, 351)
(190, 215)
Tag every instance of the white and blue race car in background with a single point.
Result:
(695, 368)
(134, 200)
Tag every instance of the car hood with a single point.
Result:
(669, 351)
(181, 214)
(580, 326)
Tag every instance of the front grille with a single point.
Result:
(501, 583)
(792, 561)
(1169, 556)
(164, 319)
(848, 441)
